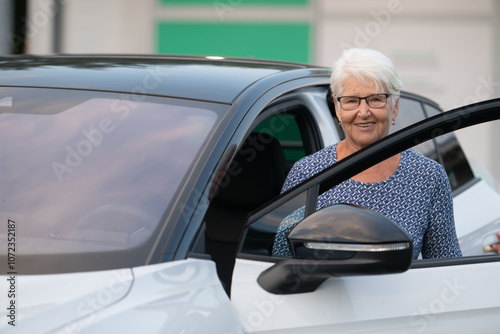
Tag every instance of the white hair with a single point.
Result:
(363, 65)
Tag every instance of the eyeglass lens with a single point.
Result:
(374, 101)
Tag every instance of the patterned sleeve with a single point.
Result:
(293, 178)
(281, 246)
(440, 239)
(308, 166)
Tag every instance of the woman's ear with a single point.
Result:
(395, 110)
(337, 109)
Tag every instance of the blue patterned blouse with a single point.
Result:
(417, 197)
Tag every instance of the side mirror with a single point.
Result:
(340, 240)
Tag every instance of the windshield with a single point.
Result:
(87, 171)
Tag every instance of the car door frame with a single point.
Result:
(240, 121)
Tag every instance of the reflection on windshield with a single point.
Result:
(101, 169)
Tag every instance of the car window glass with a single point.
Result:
(410, 112)
(285, 129)
(74, 162)
(260, 236)
(444, 149)
(480, 200)
(430, 110)
(454, 161)
(452, 157)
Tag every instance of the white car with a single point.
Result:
(142, 195)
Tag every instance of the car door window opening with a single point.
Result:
(254, 177)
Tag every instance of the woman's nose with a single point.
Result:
(363, 109)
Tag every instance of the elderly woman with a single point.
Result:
(409, 188)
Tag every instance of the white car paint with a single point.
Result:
(475, 207)
(316, 104)
(477, 214)
(69, 297)
(176, 297)
(431, 300)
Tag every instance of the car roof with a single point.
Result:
(191, 77)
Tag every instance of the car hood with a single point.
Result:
(43, 303)
(170, 297)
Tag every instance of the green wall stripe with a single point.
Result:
(276, 41)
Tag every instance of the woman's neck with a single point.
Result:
(377, 173)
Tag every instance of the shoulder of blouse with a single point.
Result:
(309, 166)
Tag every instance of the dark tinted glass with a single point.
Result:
(88, 172)
(453, 157)
(411, 112)
(285, 129)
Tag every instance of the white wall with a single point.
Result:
(110, 26)
(40, 26)
(94, 26)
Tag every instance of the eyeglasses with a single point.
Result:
(374, 101)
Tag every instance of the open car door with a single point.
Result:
(370, 283)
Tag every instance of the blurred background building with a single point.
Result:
(446, 50)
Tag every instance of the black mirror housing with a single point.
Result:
(343, 230)
(340, 240)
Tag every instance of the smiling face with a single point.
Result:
(365, 125)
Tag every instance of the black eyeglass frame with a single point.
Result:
(366, 100)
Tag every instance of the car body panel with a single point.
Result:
(68, 297)
(454, 298)
(472, 213)
(175, 297)
(201, 79)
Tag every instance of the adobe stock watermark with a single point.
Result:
(422, 319)
(117, 286)
(193, 285)
(295, 281)
(262, 310)
(484, 90)
(92, 136)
